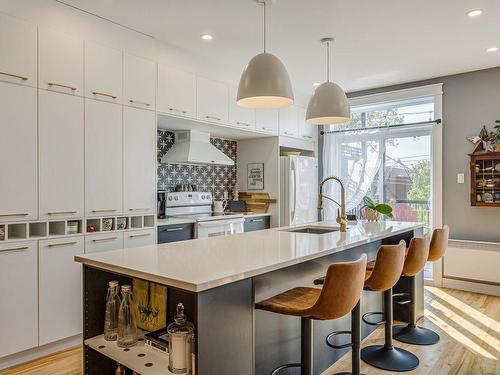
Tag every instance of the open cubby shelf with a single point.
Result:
(485, 170)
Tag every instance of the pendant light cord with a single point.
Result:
(327, 61)
(264, 4)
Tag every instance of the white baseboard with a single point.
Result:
(471, 286)
(40, 351)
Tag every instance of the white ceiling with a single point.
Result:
(379, 42)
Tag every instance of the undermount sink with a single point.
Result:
(312, 230)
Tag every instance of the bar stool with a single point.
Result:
(340, 295)
(411, 333)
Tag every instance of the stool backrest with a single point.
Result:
(439, 243)
(388, 267)
(416, 256)
(341, 290)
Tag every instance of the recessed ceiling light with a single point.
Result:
(492, 49)
(316, 84)
(474, 12)
(206, 37)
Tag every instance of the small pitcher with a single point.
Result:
(219, 206)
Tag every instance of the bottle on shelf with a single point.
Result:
(180, 343)
(113, 303)
(120, 370)
(127, 327)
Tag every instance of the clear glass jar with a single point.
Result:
(113, 303)
(180, 343)
(127, 327)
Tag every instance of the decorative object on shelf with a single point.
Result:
(256, 202)
(219, 206)
(328, 104)
(113, 303)
(91, 229)
(255, 176)
(495, 136)
(157, 340)
(482, 141)
(150, 301)
(373, 210)
(2, 233)
(120, 370)
(127, 327)
(264, 82)
(121, 223)
(107, 224)
(237, 206)
(236, 191)
(73, 227)
(180, 343)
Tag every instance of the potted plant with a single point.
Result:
(495, 136)
(373, 210)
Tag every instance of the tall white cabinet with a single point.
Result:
(18, 153)
(61, 174)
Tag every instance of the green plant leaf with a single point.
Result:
(384, 209)
(368, 202)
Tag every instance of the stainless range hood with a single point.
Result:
(194, 147)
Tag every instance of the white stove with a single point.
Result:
(198, 206)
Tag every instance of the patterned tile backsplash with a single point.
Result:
(211, 178)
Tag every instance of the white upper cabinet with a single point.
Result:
(239, 116)
(306, 131)
(289, 125)
(211, 100)
(267, 120)
(17, 51)
(176, 92)
(103, 158)
(60, 62)
(60, 124)
(19, 296)
(139, 158)
(139, 82)
(18, 153)
(103, 73)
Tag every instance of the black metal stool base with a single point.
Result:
(415, 335)
(277, 370)
(394, 359)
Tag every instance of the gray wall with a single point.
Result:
(470, 100)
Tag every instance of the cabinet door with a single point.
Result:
(60, 126)
(267, 120)
(257, 223)
(306, 131)
(18, 51)
(60, 288)
(96, 243)
(18, 153)
(238, 116)
(19, 296)
(173, 233)
(60, 62)
(103, 73)
(138, 238)
(289, 125)
(139, 82)
(176, 92)
(212, 100)
(139, 158)
(103, 158)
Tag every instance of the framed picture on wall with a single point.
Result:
(255, 176)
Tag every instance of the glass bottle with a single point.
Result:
(112, 308)
(127, 327)
(180, 339)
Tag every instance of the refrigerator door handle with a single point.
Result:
(293, 197)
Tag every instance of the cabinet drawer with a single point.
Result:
(95, 243)
(173, 233)
(139, 238)
(257, 223)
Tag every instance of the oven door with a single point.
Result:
(212, 228)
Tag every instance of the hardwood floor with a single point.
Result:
(469, 325)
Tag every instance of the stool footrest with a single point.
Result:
(335, 333)
(403, 302)
(282, 367)
(371, 314)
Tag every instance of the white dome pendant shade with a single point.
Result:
(329, 104)
(265, 82)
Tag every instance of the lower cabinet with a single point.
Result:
(138, 238)
(19, 297)
(96, 243)
(60, 288)
(176, 232)
(257, 223)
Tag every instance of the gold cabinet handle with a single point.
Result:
(242, 123)
(61, 212)
(104, 94)
(138, 102)
(14, 214)
(20, 248)
(60, 244)
(104, 210)
(138, 209)
(180, 110)
(14, 76)
(213, 118)
(52, 84)
(307, 136)
(104, 239)
(264, 128)
(287, 133)
(140, 235)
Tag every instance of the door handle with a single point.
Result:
(140, 235)
(213, 118)
(14, 214)
(104, 210)
(104, 94)
(20, 248)
(60, 244)
(172, 109)
(256, 220)
(61, 212)
(104, 239)
(14, 76)
(139, 102)
(51, 84)
(173, 229)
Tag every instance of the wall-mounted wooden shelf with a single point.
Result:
(485, 179)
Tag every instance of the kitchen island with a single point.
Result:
(219, 279)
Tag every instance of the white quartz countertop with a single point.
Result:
(201, 264)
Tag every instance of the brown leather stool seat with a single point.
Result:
(419, 253)
(339, 296)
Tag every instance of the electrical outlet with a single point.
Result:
(460, 178)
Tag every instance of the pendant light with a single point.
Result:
(329, 104)
(265, 82)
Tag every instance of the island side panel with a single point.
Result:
(225, 330)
